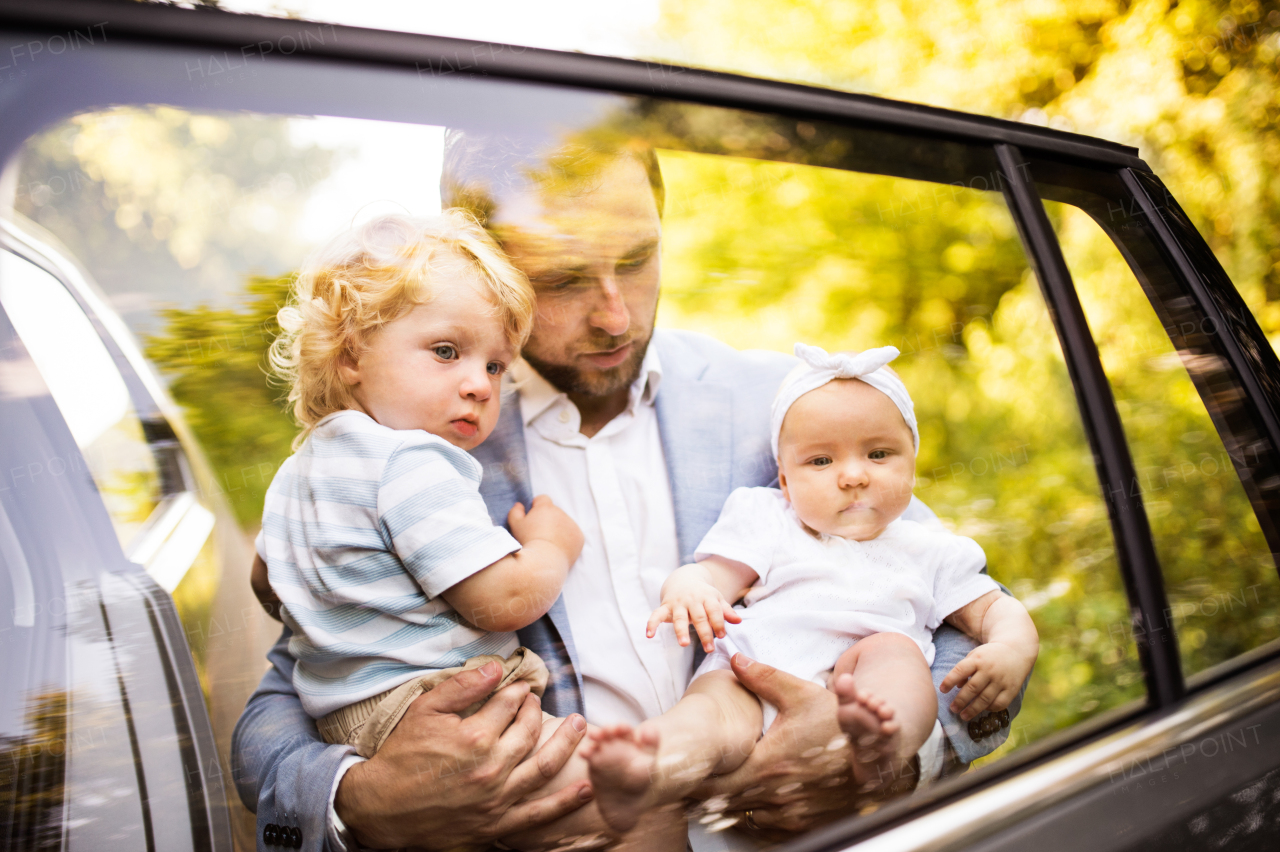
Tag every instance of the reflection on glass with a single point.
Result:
(104, 803)
(33, 695)
(1219, 573)
(67, 771)
(759, 254)
(194, 600)
(84, 381)
(32, 774)
(762, 254)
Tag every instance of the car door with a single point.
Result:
(1199, 770)
(857, 221)
(107, 739)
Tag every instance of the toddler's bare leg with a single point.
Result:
(886, 705)
(710, 731)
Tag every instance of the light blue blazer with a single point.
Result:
(713, 415)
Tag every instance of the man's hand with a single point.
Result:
(440, 781)
(687, 597)
(262, 588)
(798, 774)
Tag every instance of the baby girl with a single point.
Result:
(837, 588)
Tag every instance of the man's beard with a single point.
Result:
(571, 380)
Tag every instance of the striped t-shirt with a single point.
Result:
(363, 528)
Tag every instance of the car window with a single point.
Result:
(1220, 573)
(765, 254)
(33, 710)
(774, 231)
(89, 390)
(194, 202)
(97, 750)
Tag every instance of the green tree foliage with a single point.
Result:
(216, 361)
(168, 209)
(1220, 575)
(32, 774)
(1193, 85)
(166, 206)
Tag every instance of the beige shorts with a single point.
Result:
(366, 724)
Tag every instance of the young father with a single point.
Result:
(639, 435)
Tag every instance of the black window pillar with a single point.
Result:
(1135, 551)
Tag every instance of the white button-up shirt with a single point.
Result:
(615, 485)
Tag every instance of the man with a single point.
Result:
(640, 436)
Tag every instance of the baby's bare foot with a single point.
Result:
(620, 764)
(873, 732)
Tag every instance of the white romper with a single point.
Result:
(817, 596)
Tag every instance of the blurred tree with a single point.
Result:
(1192, 83)
(1219, 572)
(802, 254)
(32, 774)
(215, 358)
(166, 206)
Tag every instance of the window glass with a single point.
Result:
(33, 703)
(774, 231)
(65, 727)
(764, 254)
(86, 384)
(1220, 574)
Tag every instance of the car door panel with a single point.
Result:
(104, 689)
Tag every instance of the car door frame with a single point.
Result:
(206, 790)
(1170, 705)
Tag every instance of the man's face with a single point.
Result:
(592, 257)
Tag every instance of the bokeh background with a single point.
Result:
(178, 218)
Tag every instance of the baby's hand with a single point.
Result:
(688, 598)
(548, 522)
(992, 674)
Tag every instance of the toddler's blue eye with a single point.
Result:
(496, 368)
(448, 353)
(821, 461)
(877, 455)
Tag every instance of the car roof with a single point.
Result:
(217, 29)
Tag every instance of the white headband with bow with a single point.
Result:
(820, 367)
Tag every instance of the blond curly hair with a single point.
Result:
(372, 275)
